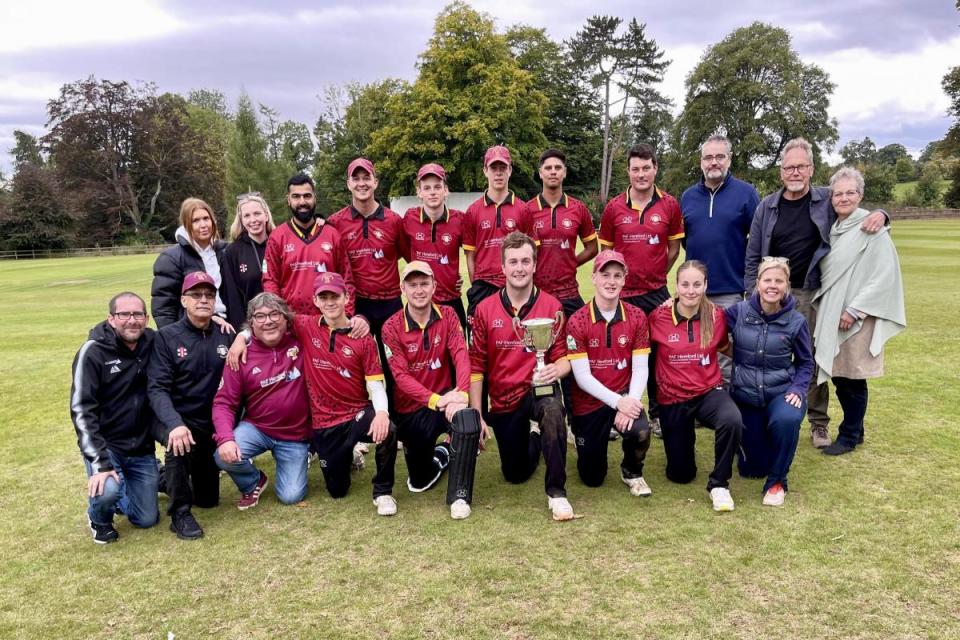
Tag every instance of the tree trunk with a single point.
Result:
(604, 171)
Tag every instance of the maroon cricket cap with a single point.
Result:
(360, 163)
(329, 281)
(498, 153)
(607, 256)
(197, 278)
(432, 169)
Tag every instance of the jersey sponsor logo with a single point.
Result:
(622, 341)
(654, 240)
(326, 246)
(345, 373)
(222, 350)
(435, 364)
(243, 267)
(446, 238)
(571, 343)
(114, 369)
(293, 352)
(273, 380)
(622, 364)
(673, 337)
(378, 254)
(497, 323)
(705, 360)
(293, 374)
(321, 267)
(181, 352)
(256, 370)
(347, 351)
(564, 244)
(444, 260)
(117, 361)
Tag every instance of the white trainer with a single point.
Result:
(638, 486)
(722, 500)
(561, 508)
(358, 450)
(386, 505)
(460, 509)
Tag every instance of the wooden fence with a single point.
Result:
(33, 254)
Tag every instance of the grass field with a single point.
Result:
(902, 189)
(867, 546)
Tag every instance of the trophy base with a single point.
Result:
(544, 390)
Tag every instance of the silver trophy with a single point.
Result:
(539, 334)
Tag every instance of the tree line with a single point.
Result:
(118, 158)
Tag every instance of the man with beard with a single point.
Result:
(110, 412)
(303, 247)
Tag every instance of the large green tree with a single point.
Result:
(951, 144)
(625, 70)
(250, 163)
(34, 215)
(754, 88)
(470, 93)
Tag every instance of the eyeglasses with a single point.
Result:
(126, 315)
(261, 318)
(775, 259)
(720, 157)
(201, 295)
(795, 168)
(248, 195)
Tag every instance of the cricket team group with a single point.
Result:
(324, 336)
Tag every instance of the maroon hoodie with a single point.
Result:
(271, 387)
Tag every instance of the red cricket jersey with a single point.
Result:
(498, 354)
(293, 259)
(438, 244)
(642, 237)
(556, 231)
(423, 359)
(485, 224)
(609, 347)
(684, 369)
(374, 244)
(338, 369)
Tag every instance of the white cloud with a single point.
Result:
(26, 26)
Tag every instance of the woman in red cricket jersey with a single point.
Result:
(686, 337)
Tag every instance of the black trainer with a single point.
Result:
(186, 526)
(103, 533)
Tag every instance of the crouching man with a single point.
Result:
(428, 356)
(272, 390)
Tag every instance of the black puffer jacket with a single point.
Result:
(169, 270)
(242, 270)
(108, 397)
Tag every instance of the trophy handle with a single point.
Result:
(517, 329)
(558, 323)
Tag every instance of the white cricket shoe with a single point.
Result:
(460, 509)
(386, 505)
(722, 500)
(560, 507)
(638, 486)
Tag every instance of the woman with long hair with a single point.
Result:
(686, 337)
(243, 257)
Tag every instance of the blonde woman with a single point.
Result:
(198, 248)
(243, 257)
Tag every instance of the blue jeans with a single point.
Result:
(769, 440)
(291, 459)
(137, 489)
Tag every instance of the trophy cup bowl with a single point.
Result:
(538, 335)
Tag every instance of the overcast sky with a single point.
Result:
(887, 58)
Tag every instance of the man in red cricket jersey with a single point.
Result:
(434, 234)
(608, 345)
(485, 224)
(428, 356)
(300, 249)
(348, 400)
(499, 357)
(645, 225)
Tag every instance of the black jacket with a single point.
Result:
(108, 397)
(184, 374)
(169, 270)
(242, 270)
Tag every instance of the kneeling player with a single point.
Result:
(498, 356)
(428, 357)
(608, 345)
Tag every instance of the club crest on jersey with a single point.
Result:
(673, 337)
(289, 248)
(181, 352)
(622, 341)
(293, 352)
(347, 351)
(316, 343)
(485, 224)
(655, 218)
(626, 220)
(594, 342)
(509, 223)
(378, 234)
(222, 350)
(243, 267)
(567, 223)
(446, 238)
(351, 235)
(420, 236)
(326, 246)
(497, 323)
(538, 224)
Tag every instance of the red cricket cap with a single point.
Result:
(329, 281)
(607, 256)
(195, 279)
(498, 153)
(360, 163)
(432, 169)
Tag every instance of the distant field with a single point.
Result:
(902, 189)
(867, 546)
